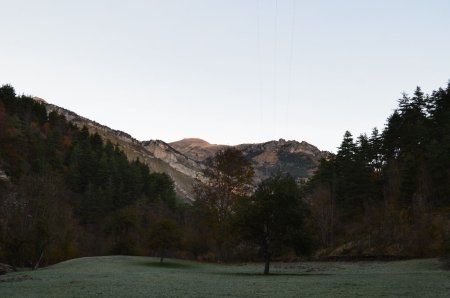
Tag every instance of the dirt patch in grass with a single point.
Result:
(275, 274)
(17, 278)
(168, 265)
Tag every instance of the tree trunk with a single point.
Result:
(36, 266)
(267, 263)
(161, 256)
(220, 252)
(13, 264)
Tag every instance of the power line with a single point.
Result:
(258, 29)
(275, 67)
(291, 58)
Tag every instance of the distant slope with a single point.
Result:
(183, 160)
(159, 156)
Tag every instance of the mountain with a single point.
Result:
(158, 155)
(299, 159)
(196, 149)
(184, 160)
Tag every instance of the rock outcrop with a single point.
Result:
(196, 149)
(4, 268)
(299, 159)
(3, 176)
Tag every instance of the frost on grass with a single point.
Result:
(143, 277)
(17, 278)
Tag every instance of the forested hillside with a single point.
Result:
(389, 193)
(68, 193)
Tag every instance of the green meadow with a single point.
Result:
(124, 276)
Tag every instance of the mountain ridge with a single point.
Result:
(184, 160)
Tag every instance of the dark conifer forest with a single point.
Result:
(69, 193)
(389, 192)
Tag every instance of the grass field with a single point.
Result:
(123, 276)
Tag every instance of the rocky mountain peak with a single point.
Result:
(193, 142)
(196, 149)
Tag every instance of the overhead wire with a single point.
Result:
(275, 67)
(291, 59)
(275, 113)
(258, 37)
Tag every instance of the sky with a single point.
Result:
(227, 71)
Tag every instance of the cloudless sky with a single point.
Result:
(227, 71)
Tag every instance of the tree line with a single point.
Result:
(69, 192)
(389, 193)
(72, 194)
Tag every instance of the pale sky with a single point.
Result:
(229, 71)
